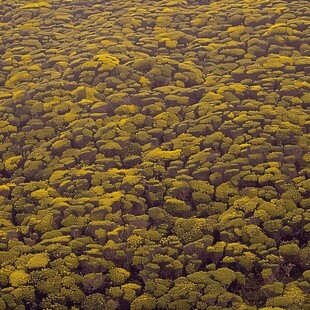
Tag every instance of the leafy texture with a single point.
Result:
(154, 154)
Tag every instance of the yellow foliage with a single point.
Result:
(57, 175)
(165, 119)
(83, 92)
(212, 96)
(90, 65)
(97, 191)
(17, 78)
(126, 109)
(241, 118)
(131, 180)
(4, 190)
(174, 201)
(295, 294)
(107, 43)
(302, 84)
(19, 277)
(110, 198)
(235, 28)
(38, 261)
(35, 5)
(280, 29)
(70, 117)
(119, 275)
(175, 3)
(12, 163)
(60, 144)
(40, 194)
(135, 22)
(6, 223)
(26, 58)
(229, 215)
(163, 21)
(131, 171)
(19, 96)
(34, 68)
(4, 124)
(198, 22)
(171, 43)
(236, 31)
(144, 81)
(54, 240)
(159, 154)
(238, 87)
(132, 286)
(134, 241)
(109, 62)
(276, 61)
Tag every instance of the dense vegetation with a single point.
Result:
(154, 154)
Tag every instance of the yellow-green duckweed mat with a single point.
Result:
(154, 155)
